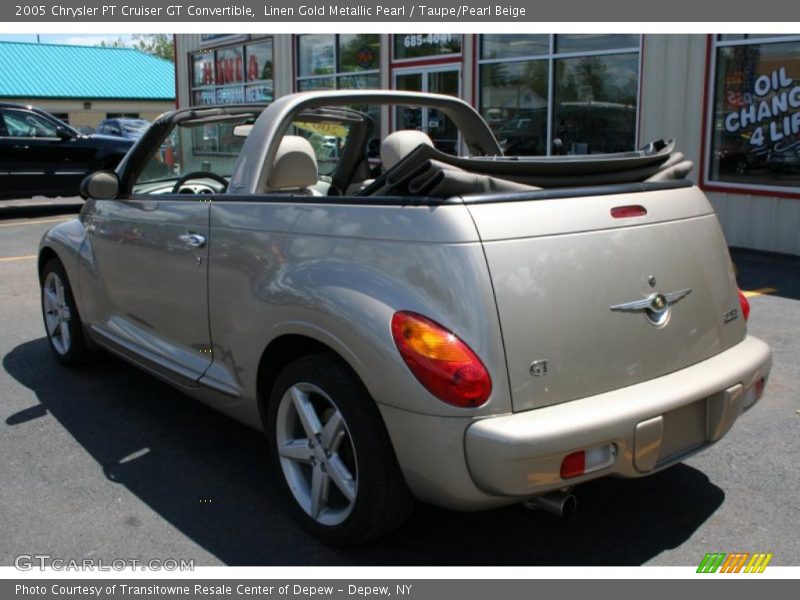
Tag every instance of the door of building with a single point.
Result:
(439, 79)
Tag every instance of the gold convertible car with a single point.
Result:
(471, 331)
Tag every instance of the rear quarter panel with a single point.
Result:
(337, 273)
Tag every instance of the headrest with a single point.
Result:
(295, 165)
(396, 146)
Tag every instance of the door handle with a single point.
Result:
(195, 240)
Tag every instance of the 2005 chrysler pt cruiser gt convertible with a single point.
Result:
(470, 330)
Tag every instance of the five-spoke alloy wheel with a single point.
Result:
(316, 454)
(331, 451)
(61, 320)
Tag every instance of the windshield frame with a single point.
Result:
(134, 162)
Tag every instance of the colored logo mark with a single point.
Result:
(734, 562)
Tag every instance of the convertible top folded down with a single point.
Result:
(427, 171)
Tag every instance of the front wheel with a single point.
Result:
(330, 448)
(61, 320)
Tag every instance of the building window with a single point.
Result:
(560, 94)
(61, 116)
(122, 115)
(345, 61)
(234, 74)
(341, 61)
(754, 142)
(412, 46)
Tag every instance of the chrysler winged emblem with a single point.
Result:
(655, 307)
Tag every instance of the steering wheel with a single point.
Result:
(199, 175)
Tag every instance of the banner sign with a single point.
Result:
(372, 589)
(443, 11)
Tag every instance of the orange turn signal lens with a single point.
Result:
(441, 362)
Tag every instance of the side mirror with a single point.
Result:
(101, 185)
(63, 134)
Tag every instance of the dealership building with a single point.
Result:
(731, 102)
(82, 85)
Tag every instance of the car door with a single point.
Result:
(145, 286)
(7, 186)
(148, 294)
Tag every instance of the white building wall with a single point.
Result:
(184, 43)
(673, 88)
(283, 64)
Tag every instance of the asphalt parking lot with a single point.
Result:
(106, 462)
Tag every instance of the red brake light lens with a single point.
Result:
(442, 363)
(744, 303)
(625, 212)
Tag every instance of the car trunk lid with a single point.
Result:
(578, 290)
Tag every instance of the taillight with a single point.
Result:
(442, 363)
(744, 303)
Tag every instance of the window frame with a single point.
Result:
(551, 56)
(336, 74)
(713, 43)
(242, 43)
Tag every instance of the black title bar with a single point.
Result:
(410, 11)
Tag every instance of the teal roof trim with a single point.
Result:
(83, 72)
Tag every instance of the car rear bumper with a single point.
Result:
(649, 426)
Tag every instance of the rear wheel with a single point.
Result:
(331, 450)
(61, 320)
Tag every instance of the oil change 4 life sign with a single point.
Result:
(769, 113)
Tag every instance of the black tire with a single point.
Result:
(382, 500)
(74, 351)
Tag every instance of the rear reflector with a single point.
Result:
(589, 460)
(574, 464)
(753, 393)
(625, 212)
(760, 385)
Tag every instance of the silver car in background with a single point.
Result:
(471, 331)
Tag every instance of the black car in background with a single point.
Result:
(42, 156)
(126, 127)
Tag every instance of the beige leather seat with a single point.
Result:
(294, 170)
(396, 146)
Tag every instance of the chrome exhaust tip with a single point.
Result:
(562, 504)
